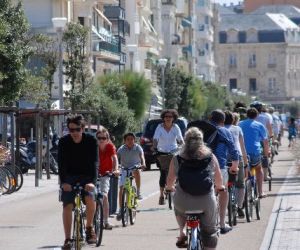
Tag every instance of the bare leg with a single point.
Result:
(90, 210)
(105, 208)
(181, 223)
(223, 202)
(259, 179)
(67, 220)
(137, 177)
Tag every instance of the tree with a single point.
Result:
(77, 65)
(14, 50)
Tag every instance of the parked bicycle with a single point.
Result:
(129, 197)
(252, 200)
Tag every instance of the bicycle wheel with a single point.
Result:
(194, 239)
(270, 175)
(18, 176)
(77, 227)
(98, 222)
(248, 202)
(170, 200)
(132, 210)
(12, 180)
(256, 203)
(124, 209)
(229, 207)
(5, 183)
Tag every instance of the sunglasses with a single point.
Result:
(72, 130)
(101, 138)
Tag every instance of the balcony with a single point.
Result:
(109, 1)
(252, 65)
(114, 12)
(205, 11)
(107, 52)
(205, 32)
(186, 22)
(169, 2)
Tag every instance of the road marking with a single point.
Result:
(149, 196)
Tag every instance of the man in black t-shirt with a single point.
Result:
(78, 163)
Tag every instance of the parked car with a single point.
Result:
(146, 140)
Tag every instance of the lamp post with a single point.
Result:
(59, 24)
(163, 63)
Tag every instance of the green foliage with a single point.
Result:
(14, 50)
(136, 87)
(77, 65)
(110, 99)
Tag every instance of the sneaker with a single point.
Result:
(161, 201)
(267, 178)
(241, 213)
(119, 216)
(67, 244)
(139, 196)
(226, 229)
(90, 235)
(108, 226)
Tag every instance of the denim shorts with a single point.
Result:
(254, 160)
(68, 197)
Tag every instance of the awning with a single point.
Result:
(103, 16)
(96, 33)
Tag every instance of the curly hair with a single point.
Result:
(194, 145)
(169, 111)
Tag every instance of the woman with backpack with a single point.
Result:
(197, 171)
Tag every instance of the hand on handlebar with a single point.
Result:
(89, 187)
(66, 187)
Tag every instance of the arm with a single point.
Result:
(244, 153)
(218, 174)
(171, 176)
(270, 130)
(266, 147)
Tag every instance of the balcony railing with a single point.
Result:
(169, 2)
(114, 12)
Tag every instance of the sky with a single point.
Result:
(228, 1)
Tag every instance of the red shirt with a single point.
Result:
(105, 158)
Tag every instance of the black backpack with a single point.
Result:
(195, 176)
(210, 132)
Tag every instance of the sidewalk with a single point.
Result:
(29, 190)
(283, 231)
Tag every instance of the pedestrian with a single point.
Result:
(292, 131)
(166, 140)
(129, 155)
(200, 157)
(108, 165)
(77, 163)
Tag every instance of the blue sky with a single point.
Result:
(227, 1)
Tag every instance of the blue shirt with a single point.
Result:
(254, 132)
(225, 148)
(129, 157)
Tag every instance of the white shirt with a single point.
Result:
(167, 140)
(265, 119)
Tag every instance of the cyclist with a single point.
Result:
(276, 127)
(77, 162)
(224, 150)
(255, 133)
(108, 164)
(194, 150)
(167, 137)
(292, 130)
(130, 154)
(231, 120)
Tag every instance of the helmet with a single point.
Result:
(258, 105)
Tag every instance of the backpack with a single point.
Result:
(210, 132)
(195, 176)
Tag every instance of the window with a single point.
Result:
(272, 84)
(272, 61)
(232, 36)
(232, 83)
(206, 19)
(252, 85)
(232, 61)
(252, 61)
(81, 20)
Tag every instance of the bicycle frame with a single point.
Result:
(193, 230)
(128, 188)
(78, 230)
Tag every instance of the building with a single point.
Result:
(251, 5)
(259, 54)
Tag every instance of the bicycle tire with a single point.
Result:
(270, 175)
(12, 179)
(193, 239)
(5, 183)
(77, 230)
(248, 202)
(257, 203)
(98, 222)
(18, 176)
(170, 200)
(132, 211)
(229, 208)
(124, 209)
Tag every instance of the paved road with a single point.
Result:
(31, 219)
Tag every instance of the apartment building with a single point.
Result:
(259, 54)
(251, 5)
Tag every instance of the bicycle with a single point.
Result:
(129, 198)
(193, 231)
(232, 201)
(251, 196)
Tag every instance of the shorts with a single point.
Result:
(224, 173)
(254, 160)
(68, 197)
(104, 184)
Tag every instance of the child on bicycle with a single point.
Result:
(129, 155)
(108, 164)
